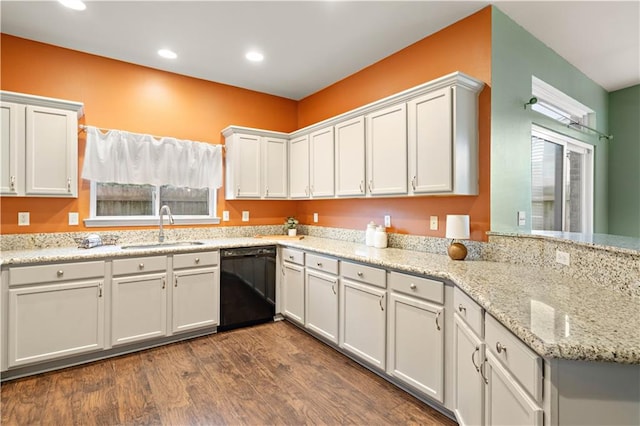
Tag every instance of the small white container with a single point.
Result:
(380, 238)
(370, 234)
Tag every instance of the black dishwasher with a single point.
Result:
(247, 286)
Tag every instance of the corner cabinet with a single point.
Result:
(39, 139)
(256, 164)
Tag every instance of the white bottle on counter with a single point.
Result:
(380, 238)
(370, 234)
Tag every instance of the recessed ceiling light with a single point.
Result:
(166, 53)
(73, 4)
(254, 56)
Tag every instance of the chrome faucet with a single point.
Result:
(164, 209)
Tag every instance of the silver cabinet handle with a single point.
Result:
(500, 348)
(238, 192)
(266, 192)
(413, 183)
(360, 274)
(333, 288)
(473, 360)
(311, 190)
(164, 283)
(60, 273)
(319, 264)
(175, 282)
(99, 289)
(486, 381)
(381, 299)
(291, 257)
(12, 183)
(197, 260)
(141, 266)
(370, 185)
(412, 286)
(462, 308)
(361, 187)
(68, 184)
(437, 323)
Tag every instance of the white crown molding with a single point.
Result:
(42, 101)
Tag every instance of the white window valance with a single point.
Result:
(131, 158)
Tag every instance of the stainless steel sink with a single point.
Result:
(163, 245)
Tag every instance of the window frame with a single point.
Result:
(559, 102)
(571, 144)
(143, 220)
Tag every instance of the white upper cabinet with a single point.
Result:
(350, 158)
(299, 167)
(387, 151)
(39, 140)
(443, 142)
(256, 165)
(321, 163)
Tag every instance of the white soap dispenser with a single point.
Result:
(380, 239)
(370, 234)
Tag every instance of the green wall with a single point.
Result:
(624, 162)
(516, 56)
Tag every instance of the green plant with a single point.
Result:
(290, 223)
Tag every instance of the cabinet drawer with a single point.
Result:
(524, 364)
(322, 263)
(469, 311)
(367, 274)
(421, 287)
(53, 273)
(293, 256)
(190, 260)
(139, 265)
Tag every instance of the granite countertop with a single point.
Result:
(557, 316)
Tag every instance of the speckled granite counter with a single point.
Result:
(556, 315)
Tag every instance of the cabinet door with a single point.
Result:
(321, 304)
(416, 344)
(350, 158)
(51, 321)
(11, 139)
(430, 142)
(51, 152)
(321, 163)
(299, 167)
(196, 296)
(468, 355)
(293, 292)
(138, 308)
(506, 402)
(363, 322)
(246, 166)
(274, 168)
(387, 151)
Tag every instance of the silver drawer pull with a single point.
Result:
(319, 264)
(437, 322)
(412, 286)
(60, 273)
(500, 348)
(68, 184)
(291, 257)
(360, 274)
(197, 260)
(486, 381)
(473, 359)
(141, 266)
(12, 183)
(462, 308)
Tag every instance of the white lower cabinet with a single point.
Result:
(292, 305)
(55, 320)
(468, 356)
(321, 298)
(363, 319)
(416, 344)
(506, 402)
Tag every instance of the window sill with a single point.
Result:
(97, 222)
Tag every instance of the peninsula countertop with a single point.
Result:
(557, 316)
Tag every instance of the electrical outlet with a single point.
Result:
(433, 223)
(245, 216)
(74, 218)
(562, 257)
(23, 219)
(522, 218)
(225, 215)
(387, 221)
(315, 218)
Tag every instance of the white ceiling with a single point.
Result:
(310, 45)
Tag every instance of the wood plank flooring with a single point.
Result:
(268, 374)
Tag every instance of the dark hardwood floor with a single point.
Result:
(268, 374)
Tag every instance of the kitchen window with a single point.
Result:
(559, 106)
(561, 182)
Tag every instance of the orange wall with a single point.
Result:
(124, 96)
(464, 46)
(128, 97)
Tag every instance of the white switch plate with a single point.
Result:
(225, 215)
(563, 257)
(522, 218)
(245, 216)
(74, 218)
(387, 221)
(23, 219)
(315, 218)
(433, 223)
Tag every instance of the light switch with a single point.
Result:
(315, 218)
(433, 223)
(245, 216)
(522, 218)
(23, 219)
(225, 215)
(74, 218)
(387, 221)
